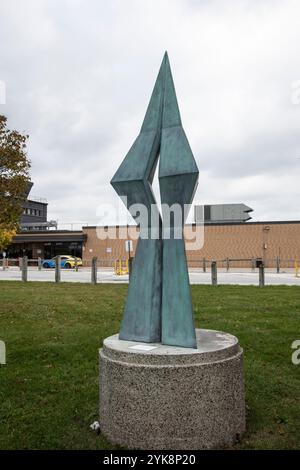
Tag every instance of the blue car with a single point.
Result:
(67, 262)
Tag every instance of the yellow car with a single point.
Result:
(66, 261)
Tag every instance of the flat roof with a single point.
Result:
(49, 236)
(37, 201)
(244, 224)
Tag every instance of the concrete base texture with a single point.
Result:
(154, 396)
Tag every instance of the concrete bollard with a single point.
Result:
(94, 270)
(278, 265)
(39, 264)
(3, 264)
(253, 264)
(57, 268)
(261, 275)
(214, 275)
(227, 264)
(24, 268)
(204, 265)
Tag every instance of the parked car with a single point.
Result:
(67, 262)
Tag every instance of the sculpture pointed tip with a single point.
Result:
(166, 57)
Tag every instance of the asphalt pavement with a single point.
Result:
(106, 275)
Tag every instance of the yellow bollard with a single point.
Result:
(116, 267)
(296, 266)
(120, 269)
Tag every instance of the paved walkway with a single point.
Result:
(107, 275)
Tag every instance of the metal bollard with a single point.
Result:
(253, 264)
(261, 274)
(214, 275)
(39, 264)
(278, 265)
(204, 265)
(130, 260)
(76, 264)
(227, 264)
(94, 270)
(20, 264)
(24, 268)
(57, 268)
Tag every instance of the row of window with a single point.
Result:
(29, 211)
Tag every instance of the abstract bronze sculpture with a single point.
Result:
(159, 307)
(163, 397)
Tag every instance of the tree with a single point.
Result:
(14, 180)
(6, 236)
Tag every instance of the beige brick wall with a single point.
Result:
(106, 249)
(240, 241)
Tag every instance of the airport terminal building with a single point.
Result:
(224, 231)
(239, 242)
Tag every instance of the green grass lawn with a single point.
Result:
(49, 387)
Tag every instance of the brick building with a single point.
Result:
(238, 242)
(225, 235)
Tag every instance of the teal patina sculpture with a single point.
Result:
(159, 307)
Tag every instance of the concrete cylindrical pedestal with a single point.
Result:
(154, 396)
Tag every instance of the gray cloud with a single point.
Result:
(79, 74)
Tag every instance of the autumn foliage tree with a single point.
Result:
(14, 179)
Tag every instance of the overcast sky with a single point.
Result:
(79, 75)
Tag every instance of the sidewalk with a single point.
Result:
(106, 275)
